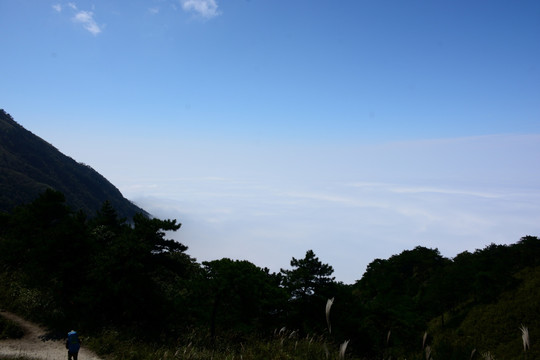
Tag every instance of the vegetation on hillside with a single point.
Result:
(136, 294)
(29, 165)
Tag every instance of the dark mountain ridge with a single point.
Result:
(29, 165)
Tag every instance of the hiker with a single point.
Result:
(73, 344)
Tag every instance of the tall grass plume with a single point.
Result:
(343, 348)
(525, 337)
(328, 306)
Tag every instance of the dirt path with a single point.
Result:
(32, 346)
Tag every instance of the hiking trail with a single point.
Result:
(34, 344)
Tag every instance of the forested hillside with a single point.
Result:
(139, 295)
(29, 165)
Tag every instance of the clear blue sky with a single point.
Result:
(355, 128)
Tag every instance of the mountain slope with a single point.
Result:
(29, 165)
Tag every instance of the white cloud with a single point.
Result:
(86, 18)
(205, 8)
(154, 10)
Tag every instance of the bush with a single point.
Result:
(10, 330)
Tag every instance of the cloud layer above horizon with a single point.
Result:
(353, 205)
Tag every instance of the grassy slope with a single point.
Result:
(495, 327)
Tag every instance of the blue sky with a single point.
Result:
(356, 128)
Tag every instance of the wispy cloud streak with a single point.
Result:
(408, 189)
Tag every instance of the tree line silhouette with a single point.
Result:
(67, 269)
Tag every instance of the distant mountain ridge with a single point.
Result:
(29, 165)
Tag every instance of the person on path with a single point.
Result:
(73, 344)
